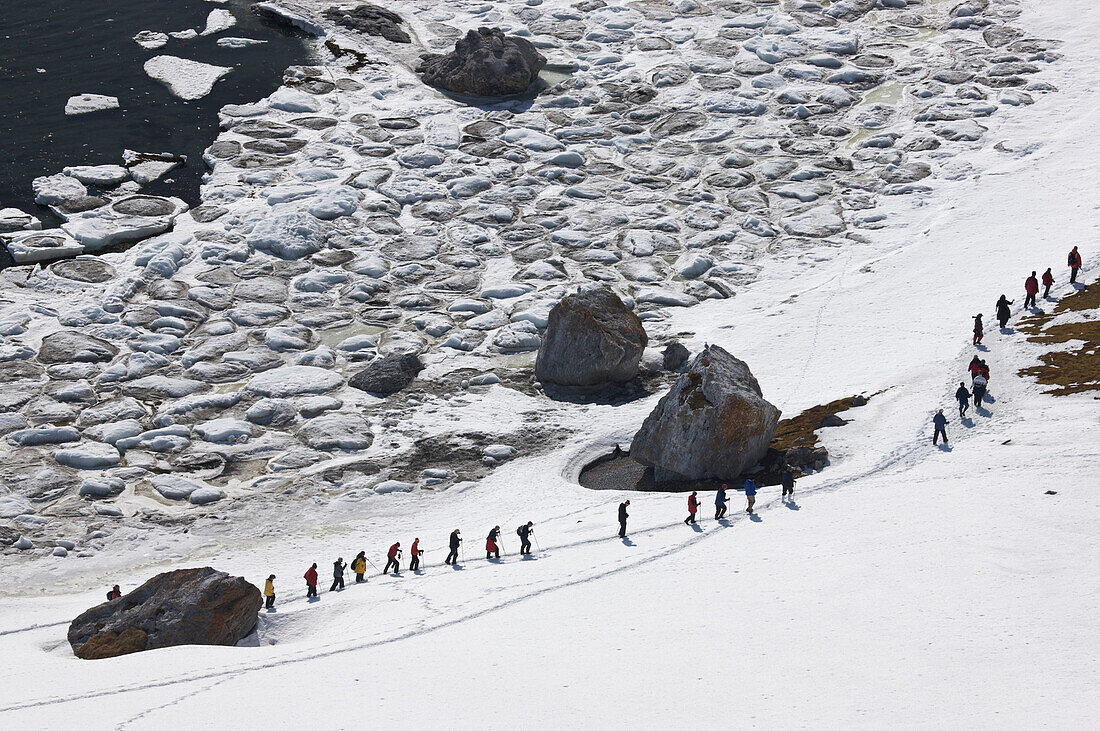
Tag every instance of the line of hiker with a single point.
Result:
(978, 369)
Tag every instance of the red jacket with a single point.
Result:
(1048, 279)
(490, 544)
(975, 368)
(1031, 285)
(693, 504)
(1074, 259)
(393, 551)
(415, 547)
(311, 576)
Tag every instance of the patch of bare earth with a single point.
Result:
(1072, 370)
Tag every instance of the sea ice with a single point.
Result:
(86, 103)
(186, 79)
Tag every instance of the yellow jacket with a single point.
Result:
(359, 566)
(269, 588)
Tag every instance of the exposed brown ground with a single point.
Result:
(1067, 371)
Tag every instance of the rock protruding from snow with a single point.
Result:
(72, 346)
(370, 20)
(593, 340)
(388, 375)
(713, 424)
(484, 63)
(183, 607)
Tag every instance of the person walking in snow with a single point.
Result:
(1048, 282)
(1074, 261)
(392, 557)
(786, 479)
(492, 548)
(975, 367)
(359, 567)
(311, 581)
(693, 507)
(114, 593)
(720, 501)
(524, 532)
(269, 592)
(623, 515)
(1031, 288)
(1003, 311)
(979, 386)
(983, 368)
(414, 555)
(979, 331)
(456, 541)
(750, 494)
(963, 397)
(338, 569)
(940, 422)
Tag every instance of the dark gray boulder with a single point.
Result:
(592, 341)
(182, 607)
(388, 375)
(68, 346)
(370, 20)
(484, 63)
(674, 356)
(713, 424)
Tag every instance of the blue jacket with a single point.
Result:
(940, 421)
(750, 487)
(720, 497)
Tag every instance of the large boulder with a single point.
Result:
(484, 63)
(68, 346)
(713, 424)
(370, 20)
(593, 340)
(388, 375)
(183, 607)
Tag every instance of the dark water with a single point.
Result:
(86, 46)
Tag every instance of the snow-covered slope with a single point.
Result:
(907, 586)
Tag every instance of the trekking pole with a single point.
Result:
(537, 542)
(371, 563)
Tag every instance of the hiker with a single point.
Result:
(391, 559)
(115, 593)
(975, 367)
(491, 546)
(963, 397)
(1048, 282)
(786, 479)
(983, 368)
(720, 501)
(1074, 261)
(979, 386)
(750, 494)
(524, 532)
(269, 592)
(338, 569)
(1031, 287)
(1003, 312)
(979, 331)
(414, 555)
(623, 515)
(452, 557)
(693, 507)
(940, 422)
(311, 581)
(359, 566)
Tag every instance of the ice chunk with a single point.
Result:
(87, 103)
(217, 21)
(186, 79)
(294, 381)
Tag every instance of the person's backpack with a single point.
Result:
(519, 531)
